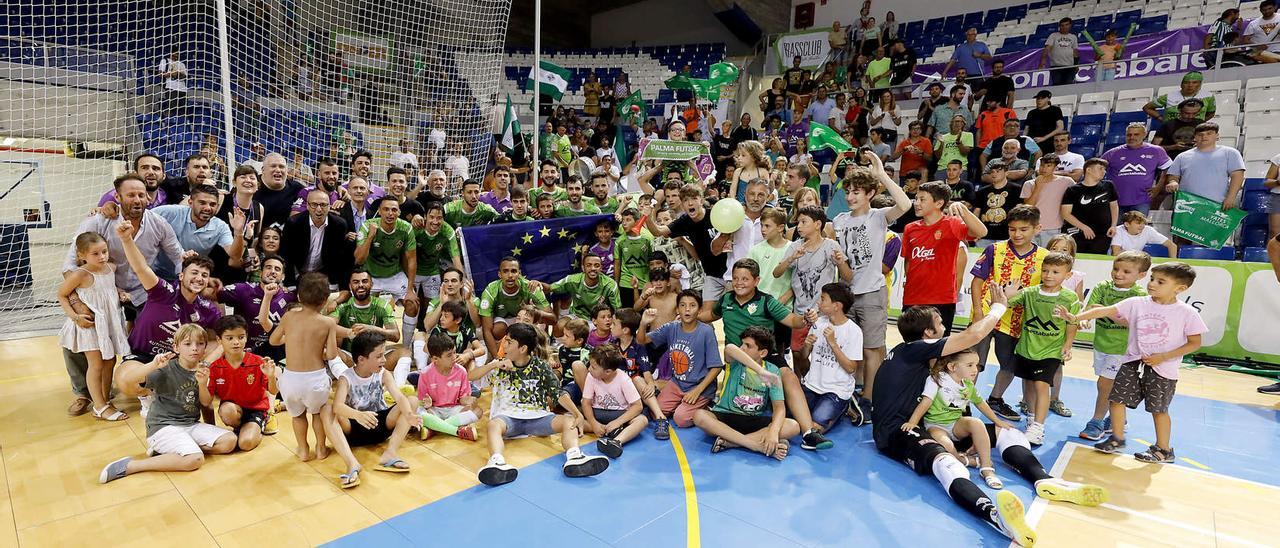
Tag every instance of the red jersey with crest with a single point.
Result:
(930, 251)
(245, 386)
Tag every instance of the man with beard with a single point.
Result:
(548, 178)
(587, 289)
(388, 250)
(600, 197)
(574, 206)
(169, 305)
(500, 197)
(505, 297)
(198, 230)
(468, 210)
(153, 237)
(326, 180)
(319, 241)
(749, 234)
(150, 168)
(198, 171)
(362, 312)
(434, 191)
(262, 303)
(277, 193)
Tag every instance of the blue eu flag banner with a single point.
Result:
(547, 250)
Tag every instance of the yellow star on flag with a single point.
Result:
(545, 232)
(528, 238)
(563, 234)
(515, 252)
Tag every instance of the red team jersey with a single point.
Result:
(245, 386)
(930, 251)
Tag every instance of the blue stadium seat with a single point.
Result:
(1255, 200)
(1156, 250)
(1255, 255)
(1254, 184)
(1254, 236)
(1015, 13)
(1196, 252)
(1254, 218)
(1038, 5)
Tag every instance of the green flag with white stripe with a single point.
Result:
(553, 80)
(510, 127)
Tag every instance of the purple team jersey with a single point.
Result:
(499, 205)
(245, 299)
(795, 133)
(1133, 171)
(164, 312)
(110, 196)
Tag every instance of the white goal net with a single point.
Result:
(86, 85)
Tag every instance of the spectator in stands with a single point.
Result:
(870, 37)
(838, 39)
(961, 189)
(927, 105)
(198, 171)
(879, 71)
(955, 144)
(1046, 120)
(1070, 164)
(1061, 54)
(257, 151)
(819, 108)
(1272, 183)
(1134, 168)
(999, 86)
(1045, 192)
(1027, 148)
(1179, 135)
(150, 169)
(796, 77)
(197, 229)
(1015, 169)
(744, 132)
(915, 150)
(1217, 35)
(886, 117)
(319, 241)
(174, 73)
(278, 193)
(1159, 108)
(993, 201)
(969, 55)
(1091, 208)
(902, 62)
(1210, 170)
(943, 115)
(1265, 31)
(989, 126)
(405, 159)
(889, 28)
(769, 98)
(298, 169)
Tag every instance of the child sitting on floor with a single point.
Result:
(361, 411)
(750, 414)
(602, 320)
(947, 394)
(610, 402)
(691, 347)
(640, 368)
(243, 383)
(176, 439)
(571, 359)
(444, 389)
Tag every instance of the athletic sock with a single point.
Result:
(406, 330)
(336, 367)
(438, 424)
(462, 419)
(967, 494)
(1024, 462)
(420, 354)
(402, 370)
(573, 453)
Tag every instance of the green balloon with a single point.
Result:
(727, 216)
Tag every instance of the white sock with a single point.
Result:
(573, 453)
(496, 459)
(466, 417)
(336, 366)
(401, 370)
(406, 330)
(420, 357)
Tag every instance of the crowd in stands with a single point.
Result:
(218, 309)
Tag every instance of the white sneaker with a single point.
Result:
(1035, 433)
(581, 466)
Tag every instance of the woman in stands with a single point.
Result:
(769, 99)
(591, 95)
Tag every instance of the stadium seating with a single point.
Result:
(1255, 255)
(1206, 253)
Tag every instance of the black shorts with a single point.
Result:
(130, 311)
(255, 416)
(966, 444)
(1038, 370)
(915, 449)
(360, 436)
(138, 357)
(744, 424)
(1137, 382)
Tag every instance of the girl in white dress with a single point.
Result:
(100, 335)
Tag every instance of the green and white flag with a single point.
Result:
(553, 80)
(510, 127)
(821, 136)
(1202, 221)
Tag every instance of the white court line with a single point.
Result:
(1040, 505)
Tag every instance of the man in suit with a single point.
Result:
(355, 209)
(319, 241)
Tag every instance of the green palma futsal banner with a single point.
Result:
(1240, 302)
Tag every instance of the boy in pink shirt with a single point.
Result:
(444, 389)
(610, 401)
(1045, 192)
(1162, 329)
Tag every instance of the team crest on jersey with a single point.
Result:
(937, 234)
(249, 379)
(751, 308)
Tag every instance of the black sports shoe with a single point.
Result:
(1270, 388)
(857, 416)
(1110, 445)
(610, 447)
(1003, 410)
(582, 465)
(813, 440)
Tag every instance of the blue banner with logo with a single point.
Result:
(547, 250)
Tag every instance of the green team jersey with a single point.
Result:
(387, 247)
(745, 393)
(496, 303)
(436, 249)
(1110, 337)
(609, 206)
(456, 217)
(1042, 333)
(558, 195)
(377, 313)
(584, 298)
(948, 399)
(461, 339)
(466, 321)
(631, 254)
(565, 209)
(761, 310)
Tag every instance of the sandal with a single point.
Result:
(970, 461)
(992, 481)
(393, 465)
(719, 445)
(350, 479)
(114, 417)
(79, 406)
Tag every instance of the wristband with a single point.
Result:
(997, 310)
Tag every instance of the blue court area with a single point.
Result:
(849, 494)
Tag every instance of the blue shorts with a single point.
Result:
(826, 409)
(517, 428)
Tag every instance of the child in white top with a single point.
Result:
(1135, 234)
(99, 334)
